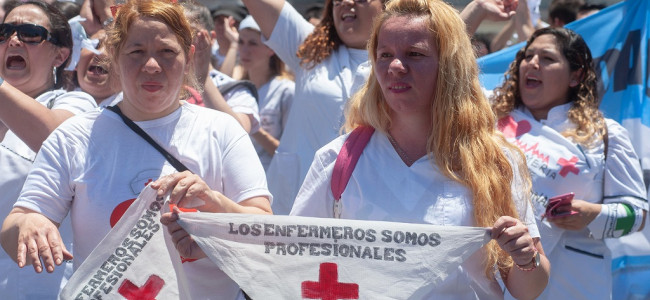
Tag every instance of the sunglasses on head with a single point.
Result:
(27, 33)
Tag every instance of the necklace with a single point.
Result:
(400, 151)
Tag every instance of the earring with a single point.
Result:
(54, 74)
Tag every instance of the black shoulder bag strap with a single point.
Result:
(180, 167)
(229, 86)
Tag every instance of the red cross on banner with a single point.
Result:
(568, 166)
(148, 291)
(327, 287)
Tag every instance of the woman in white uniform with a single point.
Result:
(35, 46)
(330, 63)
(435, 156)
(94, 165)
(275, 88)
(548, 107)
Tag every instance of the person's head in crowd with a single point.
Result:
(554, 68)
(588, 10)
(421, 44)
(253, 54)
(344, 22)
(35, 44)
(68, 9)
(314, 13)
(562, 12)
(198, 15)
(233, 13)
(150, 45)
(203, 27)
(481, 43)
(94, 73)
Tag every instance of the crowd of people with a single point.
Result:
(245, 109)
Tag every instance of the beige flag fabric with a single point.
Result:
(272, 257)
(132, 261)
(288, 257)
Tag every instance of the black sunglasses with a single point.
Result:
(27, 33)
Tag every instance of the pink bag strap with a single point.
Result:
(346, 161)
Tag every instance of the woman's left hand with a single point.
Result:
(188, 191)
(512, 236)
(185, 245)
(586, 212)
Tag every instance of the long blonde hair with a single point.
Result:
(463, 143)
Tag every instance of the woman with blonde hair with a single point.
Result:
(548, 107)
(329, 61)
(150, 45)
(434, 156)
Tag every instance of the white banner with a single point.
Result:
(273, 257)
(132, 261)
(287, 257)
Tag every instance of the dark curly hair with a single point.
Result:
(584, 113)
(322, 41)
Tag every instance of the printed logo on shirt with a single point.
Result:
(537, 161)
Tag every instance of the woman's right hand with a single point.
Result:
(38, 241)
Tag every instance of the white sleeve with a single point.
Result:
(75, 102)
(242, 101)
(48, 188)
(289, 33)
(315, 197)
(623, 178)
(243, 174)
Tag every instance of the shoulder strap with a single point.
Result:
(180, 167)
(229, 86)
(347, 160)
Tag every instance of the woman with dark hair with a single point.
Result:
(93, 165)
(548, 107)
(275, 88)
(35, 47)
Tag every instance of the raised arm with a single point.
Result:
(494, 10)
(31, 121)
(265, 13)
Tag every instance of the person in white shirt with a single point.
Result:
(94, 165)
(275, 88)
(35, 46)
(435, 155)
(93, 73)
(239, 102)
(330, 64)
(548, 107)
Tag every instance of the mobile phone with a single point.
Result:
(555, 202)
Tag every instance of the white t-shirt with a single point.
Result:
(275, 98)
(94, 162)
(316, 115)
(383, 188)
(15, 161)
(240, 99)
(581, 265)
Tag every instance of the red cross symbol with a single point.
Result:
(328, 287)
(148, 291)
(568, 166)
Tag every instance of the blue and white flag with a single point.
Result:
(618, 39)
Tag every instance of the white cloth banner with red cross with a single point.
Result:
(288, 257)
(273, 257)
